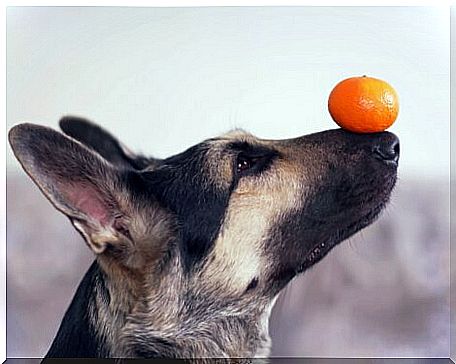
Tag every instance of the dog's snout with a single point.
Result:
(386, 148)
(383, 146)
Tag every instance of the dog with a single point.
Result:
(193, 250)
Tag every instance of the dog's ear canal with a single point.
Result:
(78, 182)
(104, 143)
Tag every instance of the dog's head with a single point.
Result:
(233, 218)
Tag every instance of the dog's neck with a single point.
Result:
(95, 326)
(76, 337)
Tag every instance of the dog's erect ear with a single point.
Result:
(103, 202)
(104, 143)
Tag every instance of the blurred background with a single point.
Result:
(163, 79)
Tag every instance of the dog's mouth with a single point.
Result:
(343, 228)
(324, 246)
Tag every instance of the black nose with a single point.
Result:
(387, 148)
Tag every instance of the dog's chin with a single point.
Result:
(347, 227)
(318, 252)
(323, 247)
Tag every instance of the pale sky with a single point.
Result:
(163, 79)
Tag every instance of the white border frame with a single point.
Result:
(133, 3)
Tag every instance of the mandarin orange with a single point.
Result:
(363, 104)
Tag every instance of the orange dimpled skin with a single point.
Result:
(363, 104)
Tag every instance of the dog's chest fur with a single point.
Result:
(186, 327)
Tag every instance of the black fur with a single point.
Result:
(76, 336)
(199, 206)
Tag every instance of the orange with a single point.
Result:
(363, 104)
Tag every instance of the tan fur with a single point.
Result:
(254, 206)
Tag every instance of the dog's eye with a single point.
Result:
(243, 164)
(251, 160)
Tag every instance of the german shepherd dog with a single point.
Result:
(192, 251)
